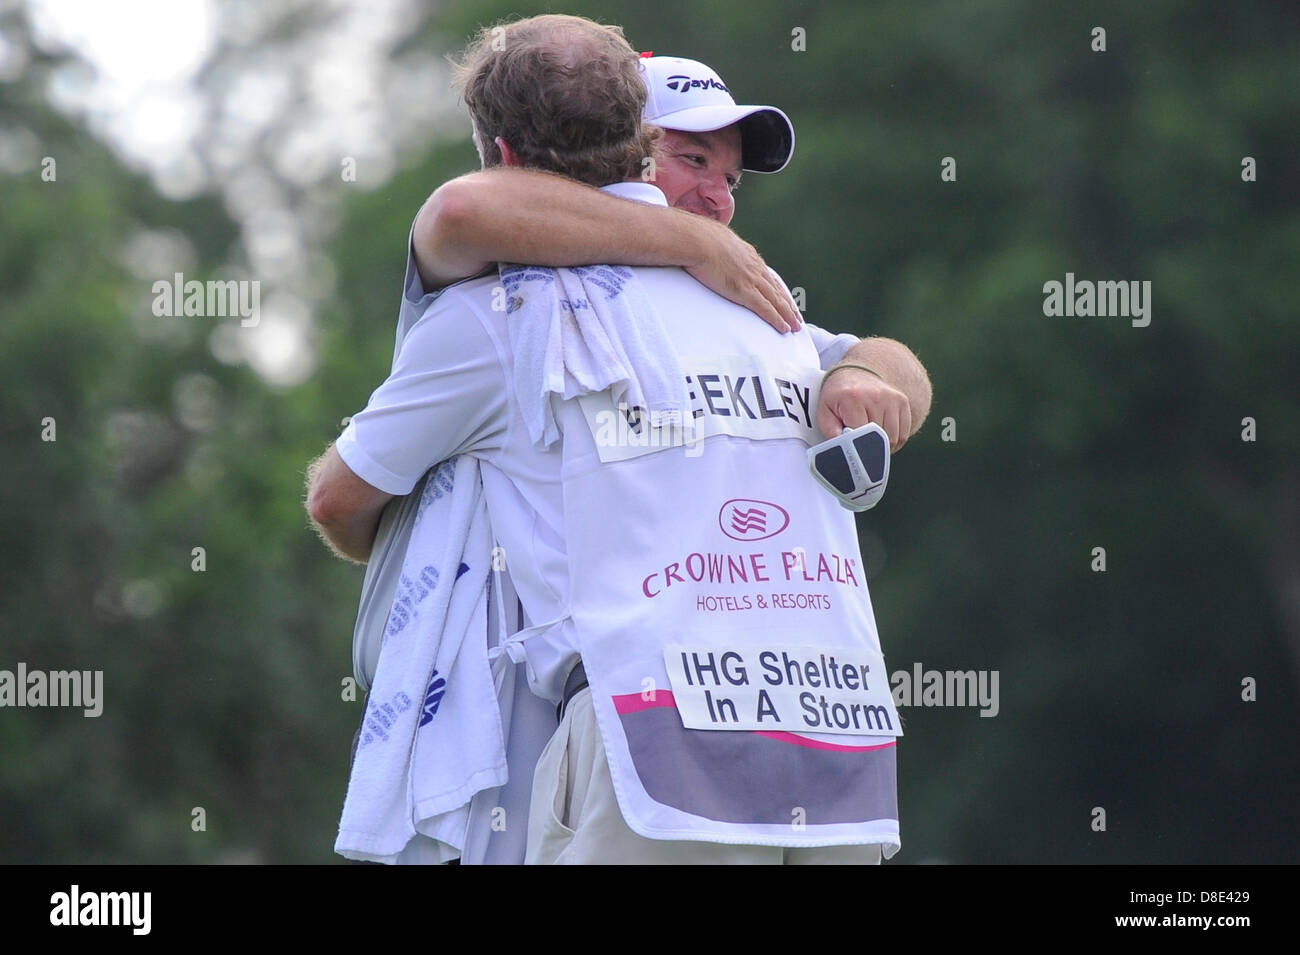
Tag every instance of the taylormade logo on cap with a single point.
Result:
(683, 83)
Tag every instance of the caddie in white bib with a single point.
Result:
(720, 604)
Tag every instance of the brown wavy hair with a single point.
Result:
(564, 92)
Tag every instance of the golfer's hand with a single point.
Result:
(733, 269)
(852, 397)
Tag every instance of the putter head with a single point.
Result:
(854, 466)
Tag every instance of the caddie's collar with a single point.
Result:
(637, 191)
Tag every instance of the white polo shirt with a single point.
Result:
(451, 392)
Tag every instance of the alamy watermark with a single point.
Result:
(175, 297)
(920, 687)
(1103, 299)
(631, 428)
(75, 907)
(75, 688)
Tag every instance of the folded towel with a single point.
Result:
(582, 330)
(432, 735)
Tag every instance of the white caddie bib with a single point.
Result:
(719, 601)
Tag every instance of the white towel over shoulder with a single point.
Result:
(581, 330)
(432, 734)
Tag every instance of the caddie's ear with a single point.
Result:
(508, 157)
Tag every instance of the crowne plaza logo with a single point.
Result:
(743, 519)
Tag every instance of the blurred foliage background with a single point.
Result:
(1119, 689)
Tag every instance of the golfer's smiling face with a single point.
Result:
(698, 171)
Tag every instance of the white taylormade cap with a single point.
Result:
(688, 96)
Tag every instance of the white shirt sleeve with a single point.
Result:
(446, 396)
(830, 348)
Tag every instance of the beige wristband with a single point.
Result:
(849, 364)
